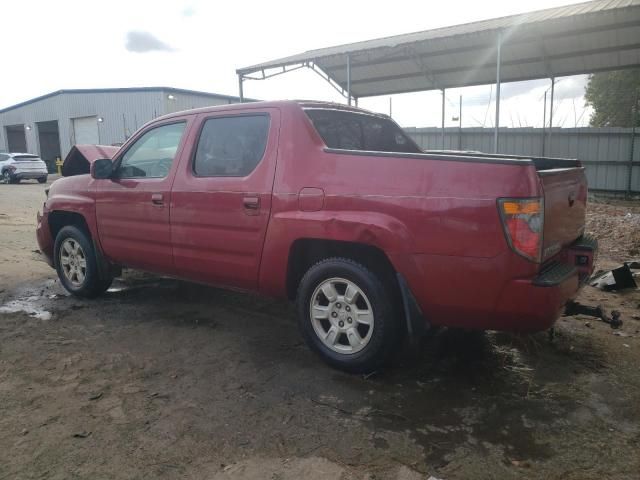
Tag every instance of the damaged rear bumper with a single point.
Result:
(535, 304)
(493, 293)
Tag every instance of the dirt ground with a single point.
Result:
(165, 379)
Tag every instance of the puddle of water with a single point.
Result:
(27, 305)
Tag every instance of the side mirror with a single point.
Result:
(102, 168)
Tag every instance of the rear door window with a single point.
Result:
(346, 130)
(231, 146)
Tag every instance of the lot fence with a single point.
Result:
(610, 157)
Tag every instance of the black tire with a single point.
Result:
(8, 178)
(387, 326)
(94, 282)
(42, 180)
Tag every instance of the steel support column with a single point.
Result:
(544, 123)
(240, 91)
(553, 88)
(497, 126)
(349, 79)
(443, 92)
(634, 120)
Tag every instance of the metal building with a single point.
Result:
(51, 124)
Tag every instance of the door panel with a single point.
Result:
(133, 213)
(218, 223)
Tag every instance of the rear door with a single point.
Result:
(565, 202)
(132, 207)
(221, 198)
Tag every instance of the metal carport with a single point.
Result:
(575, 39)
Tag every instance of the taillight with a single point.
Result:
(523, 219)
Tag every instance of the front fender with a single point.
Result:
(74, 195)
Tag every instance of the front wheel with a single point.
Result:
(347, 315)
(76, 264)
(42, 180)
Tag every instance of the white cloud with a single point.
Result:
(143, 42)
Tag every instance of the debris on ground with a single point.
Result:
(83, 434)
(616, 279)
(617, 228)
(575, 308)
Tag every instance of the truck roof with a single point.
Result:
(283, 104)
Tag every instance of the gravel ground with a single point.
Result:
(166, 379)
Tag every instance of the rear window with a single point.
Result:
(26, 158)
(360, 131)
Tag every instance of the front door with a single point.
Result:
(133, 206)
(221, 198)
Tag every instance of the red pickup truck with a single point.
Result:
(333, 207)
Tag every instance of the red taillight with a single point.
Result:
(523, 220)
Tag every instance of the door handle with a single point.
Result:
(251, 203)
(157, 199)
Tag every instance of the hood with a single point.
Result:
(80, 158)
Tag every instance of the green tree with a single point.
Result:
(612, 96)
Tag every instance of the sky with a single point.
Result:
(198, 44)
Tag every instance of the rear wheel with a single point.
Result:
(7, 178)
(42, 180)
(77, 265)
(347, 315)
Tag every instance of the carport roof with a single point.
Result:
(581, 38)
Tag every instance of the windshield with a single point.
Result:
(360, 131)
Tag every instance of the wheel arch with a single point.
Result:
(306, 252)
(58, 219)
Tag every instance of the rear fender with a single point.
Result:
(371, 228)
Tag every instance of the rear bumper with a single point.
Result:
(484, 299)
(30, 175)
(535, 304)
(45, 240)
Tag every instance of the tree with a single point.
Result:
(612, 95)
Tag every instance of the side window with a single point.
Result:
(231, 146)
(360, 131)
(152, 154)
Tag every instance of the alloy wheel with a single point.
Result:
(73, 261)
(341, 315)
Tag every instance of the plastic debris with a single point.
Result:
(616, 279)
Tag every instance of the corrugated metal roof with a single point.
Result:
(121, 90)
(580, 38)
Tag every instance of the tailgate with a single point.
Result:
(565, 201)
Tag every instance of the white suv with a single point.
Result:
(20, 166)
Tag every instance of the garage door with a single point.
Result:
(85, 131)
